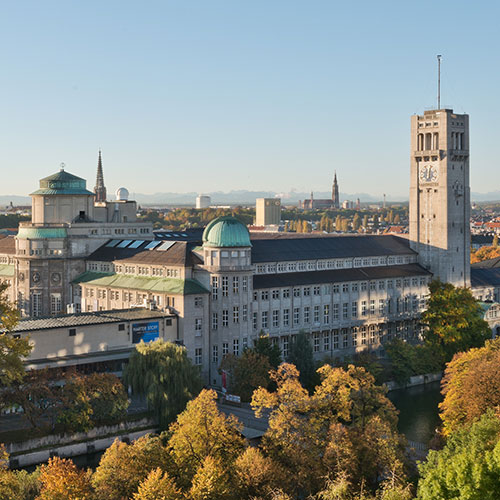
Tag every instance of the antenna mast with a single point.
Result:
(439, 80)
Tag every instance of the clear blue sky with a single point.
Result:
(219, 95)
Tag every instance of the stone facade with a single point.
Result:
(440, 194)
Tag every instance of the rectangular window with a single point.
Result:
(316, 290)
(381, 306)
(197, 356)
(326, 313)
(286, 317)
(345, 342)
(264, 295)
(336, 288)
(307, 314)
(236, 284)
(326, 341)
(215, 354)
(316, 314)
(36, 304)
(364, 286)
(225, 317)
(276, 294)
(354, 287)
(276, 318)
(285, 346)
(307, 291)
(225, 349)
(354, 333)
(372, 307)
(55, 303)
(316, 342)
(215, 321)
(335, 311)
(286, 293)
(198, 302)
(198, 323)
(236, 347)
(335, 339)
(236, 314)
(72, 332)
(381, 285)
(345, 287)
(244, 283)
(345, 310)
(373, 285)
(244, 312)
(225, 286)
(296, 292)
(264, 319)
(215, 287)
(296, 316)
(254, 320)
(363, 308)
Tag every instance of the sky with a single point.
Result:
(220, 95)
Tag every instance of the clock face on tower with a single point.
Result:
(428, 173)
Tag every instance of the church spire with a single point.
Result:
(100, 188)
(335, 192)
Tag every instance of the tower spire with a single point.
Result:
(100, 188)
(335, 192)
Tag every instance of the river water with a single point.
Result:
(418, 410)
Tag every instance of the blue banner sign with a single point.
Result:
(146, 332)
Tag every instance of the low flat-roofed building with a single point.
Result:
(93, 342)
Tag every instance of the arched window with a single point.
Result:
(428, 141)
(420, 144)
(435, 141)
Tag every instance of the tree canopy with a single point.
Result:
(454, 319)
(300, 354)
(166, 376)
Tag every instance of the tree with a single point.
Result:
(454, 319)
(158, 485)
(264, 346)
(471, 386)
(301, 355)
(12, 350)
(246, 373)
(123, 466)
(211, 482)
(495, 241)
(345, 429)
(468, 467)
(201, 430)
(165, 375)
(60, 479)
(356, 222)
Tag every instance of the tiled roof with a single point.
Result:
(6, 270)
(485, 264)
(8, 245)
(159, 285)
(485, 277)
(89, 318)
(337, 275)
(274, 247)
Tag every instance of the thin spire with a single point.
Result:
(100, 188)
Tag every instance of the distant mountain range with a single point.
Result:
(247, 197)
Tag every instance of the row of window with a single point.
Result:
(130, 230)
(222, 283)
(135, 297)
(140, 270)
(315, 265)
(281, 318)
(225, 349)
(235, 316)
(338, 288)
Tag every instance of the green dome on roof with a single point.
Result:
(226, 232)
(63, 183)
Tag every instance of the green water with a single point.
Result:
(418, 410)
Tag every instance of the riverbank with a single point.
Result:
(415, 381)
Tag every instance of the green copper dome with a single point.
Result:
(226, 232)
(62, 183)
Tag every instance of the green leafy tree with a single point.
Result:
(468, 467)
(454, 319)
(124, 466)
(246, 373)
(264, 346)
(356, 222)
(200, 431)
(165, 375)
(12, 350)
(301, 355)
(471, 386)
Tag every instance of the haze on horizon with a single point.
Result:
(219, 96)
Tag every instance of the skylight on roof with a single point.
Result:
(165, 245)
(136, 244)
(153, 245)
(113, 243)
(124, 243)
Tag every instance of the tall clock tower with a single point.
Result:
(440, 194)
